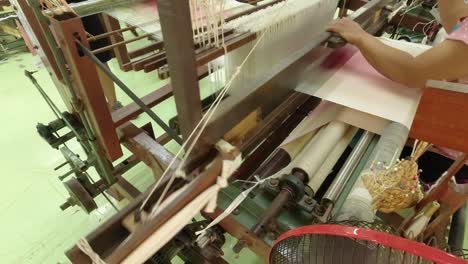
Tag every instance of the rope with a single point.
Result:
(86, 248)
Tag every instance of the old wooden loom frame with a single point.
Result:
(105, 131)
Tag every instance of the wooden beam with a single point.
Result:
(146, 148)
(141, 63)
(194, 188)
(146, 49)
(177, 30)
(126, 189)
(87, 85)
(130, 111)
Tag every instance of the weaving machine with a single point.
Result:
(259, 150)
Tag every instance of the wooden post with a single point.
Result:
(176, 27)
(87, 85)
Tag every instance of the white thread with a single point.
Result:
(234, 204)
(86, 248)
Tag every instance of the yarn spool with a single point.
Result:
(396, 187)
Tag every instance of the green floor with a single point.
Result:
(33, 229)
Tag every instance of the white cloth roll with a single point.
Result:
(315, 153)
(317, 180)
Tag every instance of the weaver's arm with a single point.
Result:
(446, 61)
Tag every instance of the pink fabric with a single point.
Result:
(461, 33)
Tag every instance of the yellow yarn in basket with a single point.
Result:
(397, 186)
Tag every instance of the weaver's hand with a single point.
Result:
(349, 30)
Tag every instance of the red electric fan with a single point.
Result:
(330, 244)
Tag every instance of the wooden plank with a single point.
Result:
(146, 49)
(120, 52)
(441, 119)
(87, 85)
(140, 64)
(194, 188)
(146, 148)
(130, 111)
(154, 65)
(126, 189)
(252, 10)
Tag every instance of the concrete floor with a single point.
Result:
(32, 226)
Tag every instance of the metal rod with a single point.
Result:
(457, 228)
(343, 195)
(129, 92)
(110, 33)
(350, 165)
(283, 197)
(52, 105)
(107, 48)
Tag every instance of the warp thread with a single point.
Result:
(208, 21)
(191, 140)
(86, 248)
(301, 20)
(234, 204)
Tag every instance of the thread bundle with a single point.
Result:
(396, 187)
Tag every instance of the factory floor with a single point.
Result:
(33, 229)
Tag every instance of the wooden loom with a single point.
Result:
(271, 104)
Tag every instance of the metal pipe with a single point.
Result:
(358, 205)
(107, 48)
(348, 167)
(457, 229)
(283, 197)
(338, 203)
(129, 92)
(110, 33)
